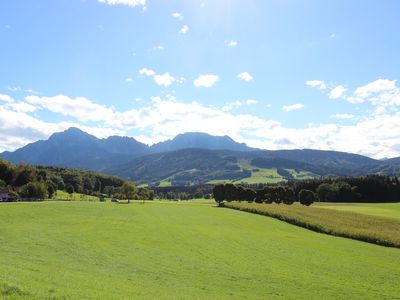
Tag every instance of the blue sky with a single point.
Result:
(274, 74)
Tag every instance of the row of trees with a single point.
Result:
(171, 195)
(129, 192)
(267, 194)
(184, 192)
(371, 188)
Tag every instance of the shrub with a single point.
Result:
(34, 190)
(219, 193)
(287, 195)
(306, 197)
(70, 189)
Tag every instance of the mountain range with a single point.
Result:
(192, 158)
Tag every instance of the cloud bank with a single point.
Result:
(374, 134)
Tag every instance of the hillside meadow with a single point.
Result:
(194, 250)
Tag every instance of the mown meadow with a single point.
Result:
(364, 227)
(175, 250)
(386, 210)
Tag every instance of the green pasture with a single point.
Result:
(369, 228)
(259, 175)
(62, 195)
(180, 250)
(165, 184)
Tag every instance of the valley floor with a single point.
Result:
(166, 250)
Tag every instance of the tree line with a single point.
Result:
(364, 189)
(24, 181)
(184, 192)
(268, 194)
(371, 188)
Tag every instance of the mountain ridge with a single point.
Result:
(191, 158)
(76, 148)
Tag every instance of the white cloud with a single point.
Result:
(292, 107)
(84, 110)
(231, 105)
(184, 29)
(131, 3)
(129, 79)
(337, 92)
(381, 92)
(251, 101)
(343, 116)
(316, 84)
(170, 117)
(6, 98)
(150, 140)
(376, 134)
(22, 107)
(332, 35)
(14, 88)
(79, 108)
(207, 80)
(18, 129)
(159, 47)
(231, 43)
(146, 72)
(376, 86)
(31, 91)
(164, 80)
(245, 76)
(9, 103)
(177, 15)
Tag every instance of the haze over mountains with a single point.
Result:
(191, 158)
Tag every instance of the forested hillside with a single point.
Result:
(24, 181)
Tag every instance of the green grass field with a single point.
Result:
(175, 250)
(302, 175)
(165, 184)
(373, 229)
(386, 210)
(263, 175)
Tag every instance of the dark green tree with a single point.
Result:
(287, 195)
(325, 192)
(70, 189)
(109, 190)
(7, 172)
(129, 190)
(219, 194)
(34, 190)
(24, 175)
(306, 197)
